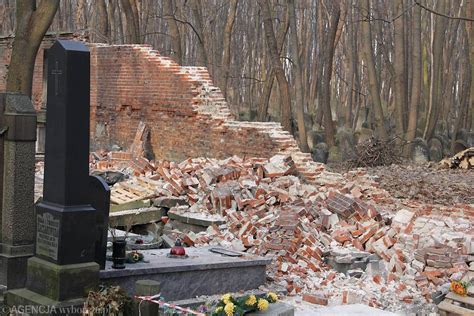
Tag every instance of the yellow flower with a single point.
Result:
(226, 298)
(459, 288)
(219, 309)
(272, 297)
(251, 300)
(262, 304)
(229, 309)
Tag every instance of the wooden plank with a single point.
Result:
(120, 196)
(136, 189)
(469, 301)
(449, 308)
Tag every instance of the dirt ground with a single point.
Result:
(424, 183)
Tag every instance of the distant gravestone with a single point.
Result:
(363, 135)
(420, 151)
(346, 144)
(320, 153)
(470, 139)
(63, 269)
(459, 145)
(314, 138)
(436, 150)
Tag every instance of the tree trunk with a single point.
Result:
(169, 16)
(416, 80)
(326, 79)
(229, 25)
(203, 58)
(132, 21)
(276, 65)
(268, 85)
(102, 23)
(303, 140)
(437, 70)
(399, 68)
(31, 25)
(111, 18)
(374, 90)
(466, 90)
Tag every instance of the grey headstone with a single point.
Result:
(420, 151)
(320, 153)
(363, 134)
(346, 143)
(459, 145)
(470, 139)
(314, 138)
(436, 150)
(17, 163)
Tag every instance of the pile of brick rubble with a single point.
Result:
(341, 240)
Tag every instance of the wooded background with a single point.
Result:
(402, 68)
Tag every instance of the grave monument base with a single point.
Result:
(60, 287)
(31, 303)
(14, 261)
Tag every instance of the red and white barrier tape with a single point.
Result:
(155, 299)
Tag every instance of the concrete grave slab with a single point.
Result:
(203, 273)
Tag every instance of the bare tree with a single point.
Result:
(132, 21)
(102, 20)
(374, 91)
(417, 73)
(229, 25)
(277, 65)
(268, 84)
(32, 22)
(169, 15)
(303, 140)
(436, 73)
(399, 68)
(329, 128)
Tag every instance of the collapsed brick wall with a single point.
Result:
(187, 115)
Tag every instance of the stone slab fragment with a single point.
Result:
(276, 309)
(196, 218)
(135, 217)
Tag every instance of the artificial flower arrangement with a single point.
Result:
(230, 306)
(134, 257)
(459, 287)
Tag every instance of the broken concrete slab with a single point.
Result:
(135, 217)
(199, 219)
(169, 201)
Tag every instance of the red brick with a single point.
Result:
(315, 299)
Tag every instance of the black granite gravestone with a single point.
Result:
(65, 217)
(100, 200)
(64, 267)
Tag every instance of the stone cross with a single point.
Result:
(63, 268)
(56, 72)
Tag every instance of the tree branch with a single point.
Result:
(442, 14)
